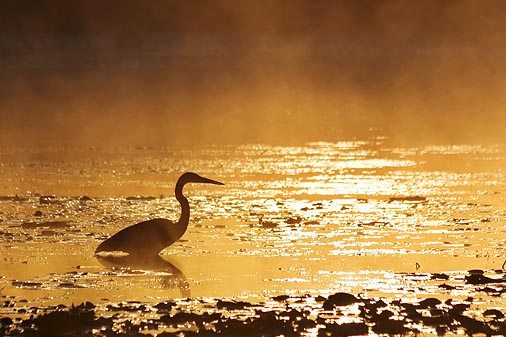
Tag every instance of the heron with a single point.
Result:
(149, 238)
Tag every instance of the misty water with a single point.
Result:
(360, 217)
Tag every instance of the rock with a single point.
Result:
(439, 276)
(232, 305)
(339, 299)
(65, 323)
(345, 329)
(429, 303)
(280, 298)
(481, 279)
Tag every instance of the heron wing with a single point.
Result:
(145, 237)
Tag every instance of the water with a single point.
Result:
(355, 216)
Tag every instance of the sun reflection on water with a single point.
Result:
(320, 218)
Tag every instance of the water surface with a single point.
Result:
(355, 216)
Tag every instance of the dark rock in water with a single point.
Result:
(473, 326)
(500, 329)
(447, 286)
(304, 324)
(491, 291)
(14, 198)
(37, 213)
(48, 233)
(29, 225)
(437, 312)
(6, 321)
(69, 285)
(438, 319)
(292, 314)
(345, 329)
(229, 305)
(458, 309)
(85, 198)
(439, 276)
(320, 298)
(169, 334)
(88, 305)
(481, 279)
(165, 306)
(27, 284)
(370, 308)
(390, 327)
(55, 224)
(340, 299)
(493, 312)
(268, 224)
(415, 198)
(65, 323)
(52, 224)
(294, 221)
(429, 303)
(280, 298)
(179, 318)
(207, 317)
(268, 324)
(410, 311)
(383, 316)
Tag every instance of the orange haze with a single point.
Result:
(184, 72)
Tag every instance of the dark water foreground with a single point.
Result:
(339, 314)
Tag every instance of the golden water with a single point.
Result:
(356, 216)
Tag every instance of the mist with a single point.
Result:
(227, 72)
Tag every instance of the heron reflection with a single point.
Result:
(171, 276)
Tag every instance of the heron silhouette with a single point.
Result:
(149, 238)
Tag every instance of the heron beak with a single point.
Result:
(210, 181)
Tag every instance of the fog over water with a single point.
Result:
(228, 72)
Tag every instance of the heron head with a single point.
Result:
(190, 177)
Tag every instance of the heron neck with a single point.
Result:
(185, 206)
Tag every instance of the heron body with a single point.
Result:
(150, 237)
